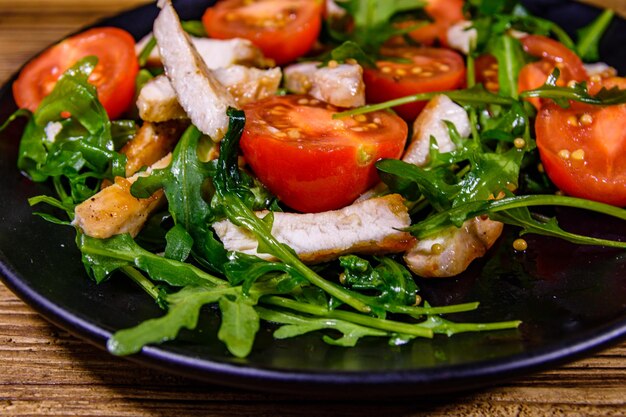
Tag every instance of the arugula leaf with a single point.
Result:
(510, 56)
(194, 28)
(296, 325)
(183, 182)
(391, 279)
(103, 256)
(345, 51)
(246, 269)
(440, 325)
(183, 312)
(494, 208)
(589, 37)
(80, 148)
(179, 243)
(372, 20)
(438, 185)
(240, 323)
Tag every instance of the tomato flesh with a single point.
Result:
(553, 54)
(283, 29)
(427, 70)
(582, 149)
(311, 161)
(113, 77)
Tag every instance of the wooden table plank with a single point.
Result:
(45, 371)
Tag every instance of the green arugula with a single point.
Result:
(80, 149)
(373, 21)
(589, 37)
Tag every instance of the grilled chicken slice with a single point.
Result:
(431, 123)
(448, 253)
(151, 143)
(341, 85)
(114, 210)
(157, 101)
(369, 227)
(216, 53)
(203, 97)
(461, 35)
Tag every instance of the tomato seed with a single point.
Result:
(564, 154)
(586, 119)
(578, 155)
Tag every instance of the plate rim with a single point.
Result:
(427, 381)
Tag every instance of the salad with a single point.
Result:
(306, 164)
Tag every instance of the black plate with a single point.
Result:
(572, 299)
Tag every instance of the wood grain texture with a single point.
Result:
(45, 371)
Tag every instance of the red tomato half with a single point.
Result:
(283, 29)
(582, 149)
(427, 70)
(552, 54)
(114, 76)
(444, 14)
(311, 161)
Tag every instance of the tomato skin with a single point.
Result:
(284, 42)
(383, 85)
(553, 54)
(113, 77)
(601, 174)
(444, 14)
(487, 72)
(327, 164)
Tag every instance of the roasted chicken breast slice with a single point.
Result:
(341, 85)
(151, 143)
(216, 53)
(431, 122)
(114, 210)
(200, 94)
(448, 253)
(369, 227)
(157, 101)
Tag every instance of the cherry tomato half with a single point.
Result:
(444, 14)
(427, 70)
(283, 29)
(553, 54)
(311, 161)
(582, 149)
(113, 77)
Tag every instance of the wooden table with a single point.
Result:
(45, 371)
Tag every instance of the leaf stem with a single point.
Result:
(464, 96)
(382, 324)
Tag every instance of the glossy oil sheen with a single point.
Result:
(571, 299)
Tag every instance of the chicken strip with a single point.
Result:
(448, 253)
(203, 97)
(431, 123)
(157, 101)
(114, 210)
(369, 227)
(216, 53)
(340, 85)
(151, 142)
